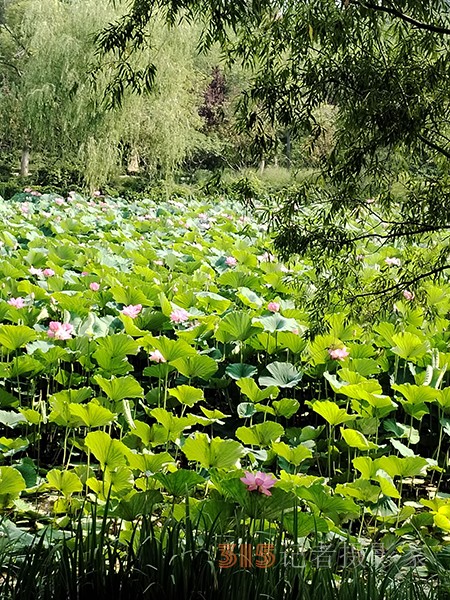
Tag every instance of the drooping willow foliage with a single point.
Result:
(53, 99)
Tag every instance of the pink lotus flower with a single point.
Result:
(60, 331)
(179, 315)
(25, 208)
(94, 286)
(273, 307)
(84, 273)
(48, 272)
(156, 356)
(408, 295)
(231, 261)
(27, 190)
(35, 271)
(36, 194)
(97, 193)
(16, 302)
(260, 482)
(338, 353)
(132, 310)
(396, 262)
(59, 201)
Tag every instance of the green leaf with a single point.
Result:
(173, 425)
(416, 394)
(302, 524)
(331, 412)
(187, 395)
(11, 419)
(13, 337)
(170, 349)
(366, 466)
(274, 323)
(246, 410)
(249, 298)
(140, 504)
(212, 453)
(179, 483)
(294, 455)
(387, 484)
(236, 326)
(92, 414)
(409, 346)
(262, 434)
(200, 366)
(11, 484)
(283, 375)
(111, 353)
(355, 439)
(250, 389)
(293, 341)
(410, 466)
(66, 482)
(402, 431)
(213, 302)
(109, 453)
(287, 407)
(240, 371)
(118, 388)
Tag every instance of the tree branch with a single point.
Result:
(396, 13)
(433, 145)
(403, 284)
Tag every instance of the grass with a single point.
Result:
(177, 561)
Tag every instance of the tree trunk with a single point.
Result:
(288, 149)
(25, 161)
(262, 166)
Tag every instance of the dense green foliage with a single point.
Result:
(382, 66)
(152, 355)
(53, 96)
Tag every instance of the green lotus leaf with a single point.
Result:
(140, 504)
(287, 407)
(331, 412)
(355, 439)
(236, 326)
(200, 366)
(294, 455)
(250, 389)
(212, 452)
(240, 371)
(276, 322)
(409, 346)
(11, 484)
(170, 349)
(262, 434)
(187, 394)
(13, 337)
(11, 419)
(66, 482)
(249, 298)
(180, 482)
(92, 414)
(109, 453)
(118, 388)
(282, 374)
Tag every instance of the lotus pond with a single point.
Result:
(156, 358)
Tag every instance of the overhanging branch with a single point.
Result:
(406, 18)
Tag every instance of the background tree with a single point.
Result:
(381, 66)
(52, 93)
